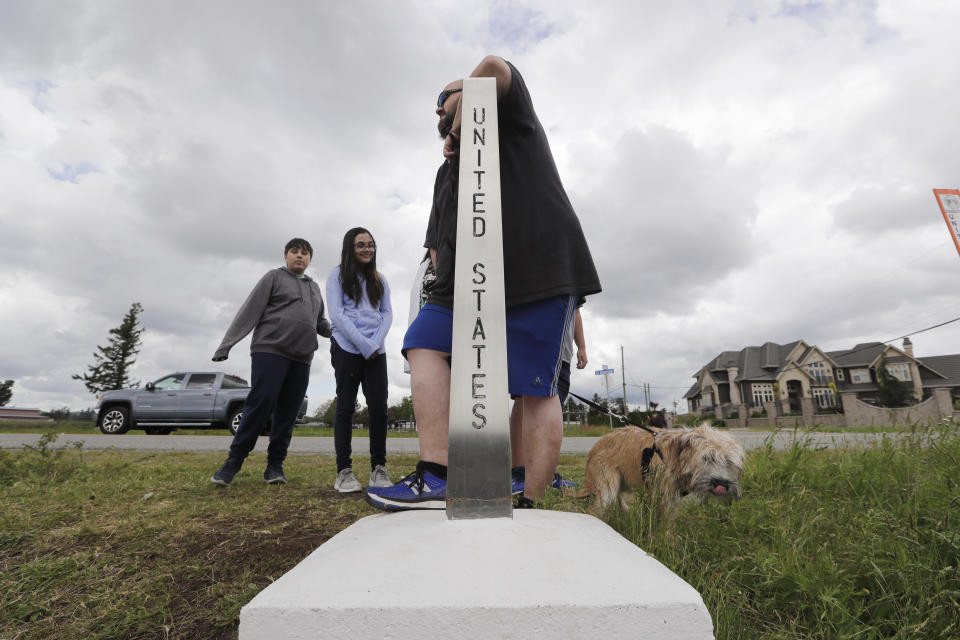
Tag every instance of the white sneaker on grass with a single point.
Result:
(379, 477)
(347, 482)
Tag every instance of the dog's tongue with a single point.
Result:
(720, 490)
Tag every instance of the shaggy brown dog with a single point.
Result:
(698, 464)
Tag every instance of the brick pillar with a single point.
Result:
(807, 408)
(851, 415)
(771, 408)
(744, 412)
(944, 402)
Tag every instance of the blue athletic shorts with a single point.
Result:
(534, 334)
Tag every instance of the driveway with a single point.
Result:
(309, 444)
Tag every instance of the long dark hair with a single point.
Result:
(351, 272)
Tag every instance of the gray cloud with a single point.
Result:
(743, 173)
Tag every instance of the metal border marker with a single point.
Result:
(478, 473)
(949, 201)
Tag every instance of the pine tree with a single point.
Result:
(112, 363)
(891, 392)
(6, 392)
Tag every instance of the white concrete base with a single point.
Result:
(543, 574)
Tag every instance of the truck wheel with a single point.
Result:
(158, 431)
(115, 420)
(234, 422)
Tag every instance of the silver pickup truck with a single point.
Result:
(201, 399)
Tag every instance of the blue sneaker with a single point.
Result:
(419, 490)
(517, 477)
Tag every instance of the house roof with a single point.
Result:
(861, 355)
(947, 366)
(752, 363)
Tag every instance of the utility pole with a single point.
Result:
(623, 379)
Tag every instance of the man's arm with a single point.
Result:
(247, 317)
(579, 340)
(490, 67)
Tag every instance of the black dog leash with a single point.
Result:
(619, 417)
(647, 453)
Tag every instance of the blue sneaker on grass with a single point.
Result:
(419, 490)
(518, 476)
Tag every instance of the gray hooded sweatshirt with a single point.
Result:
(285, 313)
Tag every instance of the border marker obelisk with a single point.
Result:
(478, 473)
(478, 574)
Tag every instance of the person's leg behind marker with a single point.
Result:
(517, 470)
(535, 332)
(542, 437)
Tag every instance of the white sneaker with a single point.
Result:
(379, 477)
(347, 482)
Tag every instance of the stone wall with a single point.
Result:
(860, 414)
(856, 413)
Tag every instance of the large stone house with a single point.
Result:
(801, 379)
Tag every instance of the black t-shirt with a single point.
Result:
(544, 251)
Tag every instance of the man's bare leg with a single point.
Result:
(430, 387)
(516, 433)
(542, 437)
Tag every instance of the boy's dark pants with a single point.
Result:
(353, 370)
(277, 387)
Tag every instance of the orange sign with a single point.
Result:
(949, 201)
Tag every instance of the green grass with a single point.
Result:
(855, 543)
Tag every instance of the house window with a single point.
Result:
(707, 399)
(762, 392)
(839, 374)
(860, 376)
(900, 371)
(824, 397)
(818, 372)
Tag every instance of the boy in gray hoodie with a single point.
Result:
(285, 313)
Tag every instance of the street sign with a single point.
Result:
(949, 201)
(605, 371)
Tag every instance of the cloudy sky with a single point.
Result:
(745, 171)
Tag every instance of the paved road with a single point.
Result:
(305, 444)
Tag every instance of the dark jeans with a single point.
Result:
(352, 370)
(277, 388)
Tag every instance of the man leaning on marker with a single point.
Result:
(547, 269)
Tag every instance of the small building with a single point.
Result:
(13, 413)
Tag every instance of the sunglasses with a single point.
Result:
(446, 94)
